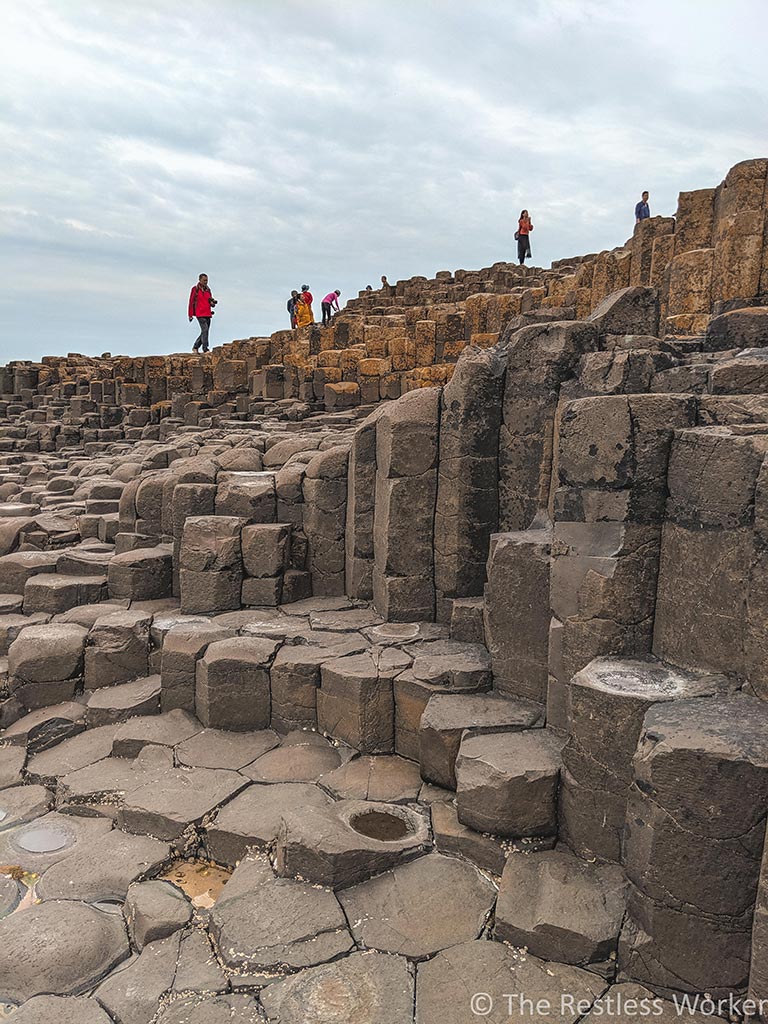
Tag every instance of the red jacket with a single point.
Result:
(200, 301)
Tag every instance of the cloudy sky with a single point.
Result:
(277, 142)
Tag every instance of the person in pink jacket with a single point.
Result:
(329, 303)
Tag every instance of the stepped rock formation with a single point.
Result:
(350, 672)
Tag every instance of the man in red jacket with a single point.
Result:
(201, 304)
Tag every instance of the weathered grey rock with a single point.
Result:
(185, 798)
(218, 1009)
(561, 908)
(517, 612)
(12, 761)
(220, 748)
(276, 924)
(367, 988)
(392, 779)
(154, 910)
(628, 311)
(112, 704)
(419, 908)
(117, 649)
(23, 803)
(348, 841)
(539, 358)
(467, 506)
(76, 752)
(446, 984)
(447, 717)
(42, 841)
(252, 820)
(211, 543)
(182, 647)
(626, 1001)
(103, 869)
(47, 653)
(46, 727)
(100, 788)
(305, 759)
(132, 993)
(198, 969)
(454, 839)
(691, 929)
(166, 730)
(607, 702)
(507, 783)
(61, 1010)
(58, 947)
(232, 684)
(355, 702)
(143, 574)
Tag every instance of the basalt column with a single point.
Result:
(467, 483)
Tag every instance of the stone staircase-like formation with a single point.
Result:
(439, 635)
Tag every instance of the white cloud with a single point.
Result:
(276, 142)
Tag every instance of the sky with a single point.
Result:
(273, 143)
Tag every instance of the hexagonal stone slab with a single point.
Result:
(560, 907)
(348, 841)
(302, 757)
(11, 894)
(46, 727)
(219, 748)
(451, 837)
(104, 868)
(12, 761)
(183, 799)
(264, 924)
(507, 782)
(132, 993)
(101, 787)
(448, 715)
(446, 984)
(154, 910)
(421, 907)
(61, 1010)
(42, 842)
(391, 779)
(364, 988)
(76, 752)
(221, 1009)
(112, 704)
(59, 947)
(166, 730)
(252, 820)
(22, 803)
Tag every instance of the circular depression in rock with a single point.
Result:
(381, 825)
(44, 839)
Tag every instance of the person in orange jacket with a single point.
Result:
(524, 229)
(201, 304)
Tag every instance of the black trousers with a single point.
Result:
(205, 324)
(326, 307)
(523, 248)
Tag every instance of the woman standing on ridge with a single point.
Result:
(524, 228)
(304, 313)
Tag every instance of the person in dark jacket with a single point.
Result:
(201, 304)
(291, 306)
(642, 209)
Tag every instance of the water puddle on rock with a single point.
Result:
(44, 839)
(201, 880)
